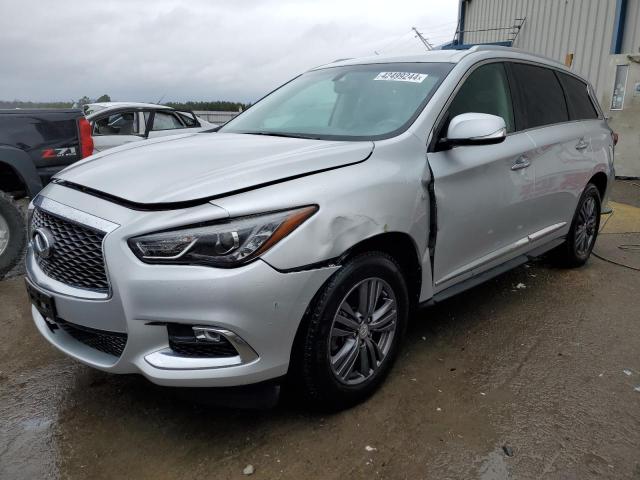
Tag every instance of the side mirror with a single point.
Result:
(475, 129)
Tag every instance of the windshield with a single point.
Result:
(359, 102)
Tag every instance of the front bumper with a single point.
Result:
(257, 305)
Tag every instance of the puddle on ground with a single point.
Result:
(29, 408)
(494, 466)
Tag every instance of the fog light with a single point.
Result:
(206, 334)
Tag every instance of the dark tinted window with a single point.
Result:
(486, 90)
(540, 97)
(580, 105)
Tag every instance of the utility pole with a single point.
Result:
(426, 43)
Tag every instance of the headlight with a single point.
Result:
(227, 244)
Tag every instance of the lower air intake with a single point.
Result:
(112, 343)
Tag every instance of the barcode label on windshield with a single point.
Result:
(402, 76)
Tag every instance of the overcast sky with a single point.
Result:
(198, 49)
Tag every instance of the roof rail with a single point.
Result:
(490, 47)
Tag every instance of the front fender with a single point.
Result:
(22, 164)
(384, 194)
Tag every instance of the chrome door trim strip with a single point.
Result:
(501, 252)
(484, 260)
(546, 231)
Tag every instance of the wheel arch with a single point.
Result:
(19, 167)
(403, 249)
(11, 181)
(600, 180)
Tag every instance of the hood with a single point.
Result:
(205, 166)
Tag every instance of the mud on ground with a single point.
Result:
(535, 374)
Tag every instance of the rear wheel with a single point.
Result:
(12, 233)
(575, 251)
(349, 339)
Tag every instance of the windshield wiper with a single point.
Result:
(282, 134)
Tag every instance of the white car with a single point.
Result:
(117, 123)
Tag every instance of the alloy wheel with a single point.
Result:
(362, 331)
(4, 234)
(586, 226)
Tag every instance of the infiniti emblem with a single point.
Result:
(43, 242)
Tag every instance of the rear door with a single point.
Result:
(114, 129)
(481, 191)
(583, 109)
(563, 153)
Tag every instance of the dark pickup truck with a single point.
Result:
(34, 145)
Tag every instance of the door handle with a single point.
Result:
(581, 144)
(520, 163)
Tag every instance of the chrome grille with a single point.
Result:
(76, 259)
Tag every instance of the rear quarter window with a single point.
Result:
(579, 102)
(540, 99)
(166, 121)
(188, 119)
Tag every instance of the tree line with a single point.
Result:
(217, 105)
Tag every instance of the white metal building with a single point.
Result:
(598, 39)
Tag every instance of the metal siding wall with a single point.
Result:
(554, 28)
(631, 39)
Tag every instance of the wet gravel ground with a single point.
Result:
(550, 371)
(535, 374)
(19, 268)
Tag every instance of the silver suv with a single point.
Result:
(298, 239)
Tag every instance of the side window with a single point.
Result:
(121, 123)
(580, 105)
(486, 90)
(188, 119)
(540, 97)
(166, 121)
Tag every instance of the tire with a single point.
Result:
(324, 345)
(576, 249)
(12, 234)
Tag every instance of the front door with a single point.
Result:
(481, 192)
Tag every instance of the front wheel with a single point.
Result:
(350, 336)
(575, 251)
(12, 234)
